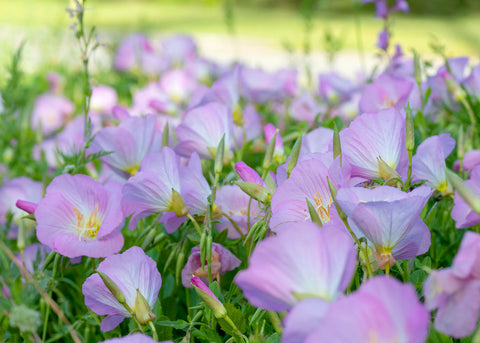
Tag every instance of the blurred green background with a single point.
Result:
(276, 23)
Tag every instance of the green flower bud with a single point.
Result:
(178, 204)
(256, 191)
(142, 311)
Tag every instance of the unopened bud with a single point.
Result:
(418, 67)
(464, 191)
(21, 236)
(203, 248)
(26, 206)
(208, 297)
(292, 162)
(256, 191)
(114, 289)
(209, 248)
(247, 174)
(178, 204)
(149, 238)
(179, 266)
(409, 130)
(219, 156)
(142, 311)
(267, 161)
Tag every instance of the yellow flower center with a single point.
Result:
(132, 170)
(387, 102)
(323, 209)
(87, 228)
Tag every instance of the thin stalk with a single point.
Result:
(47, 310)
(50, 302)
(235, 225)
(154, 331)
(195, 224)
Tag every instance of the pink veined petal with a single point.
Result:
(303, 319)
(70, 245)
(111, 322)
(300, 259)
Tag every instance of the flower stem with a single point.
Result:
(154, 331)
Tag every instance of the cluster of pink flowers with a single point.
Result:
(344, 203)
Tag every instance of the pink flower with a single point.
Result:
(51, 112)
(222, 261)
(202, 130)
(389, 219)
(462, 213)
(234, 202)
(301, 261)
(371, 137)
(80, 217)
(132, 272)
(455, 292)
(128, 143)
(382, 310)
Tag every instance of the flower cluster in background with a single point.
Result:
(181, 200)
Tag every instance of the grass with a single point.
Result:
(459, 34)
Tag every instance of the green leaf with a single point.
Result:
(177, 324)
(165, 332)
(275, 338)
(237, 317)
(170, 306)
(417, 277)
(222, 237)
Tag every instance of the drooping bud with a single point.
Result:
(466, 193)
(256, 191)
(114, 289)
(178, 204)
(292, 162)
(208, 297)
(142, 311)
(409, 130)
(247, 174)
(26, 206)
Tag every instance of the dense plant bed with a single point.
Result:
(175, 199)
